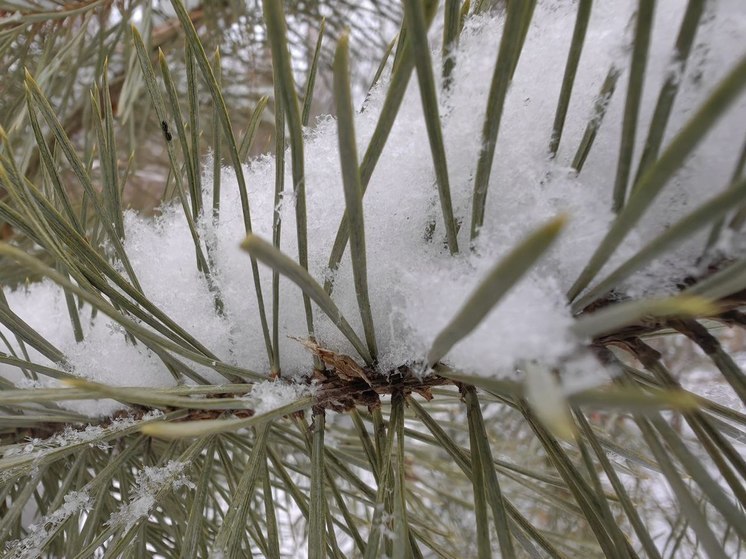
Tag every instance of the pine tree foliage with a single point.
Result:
(368, 463)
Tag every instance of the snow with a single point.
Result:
(94, 435)
(150, 481)
(416, 287)
(270, 395)
(33, 545)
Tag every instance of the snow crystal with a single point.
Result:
(150, 481)
(92, 434)
(31, 547)
(270, 395)
(415, 286)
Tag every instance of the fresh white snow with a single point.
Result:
(415, 285)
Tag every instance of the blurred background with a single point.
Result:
(69, 43)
